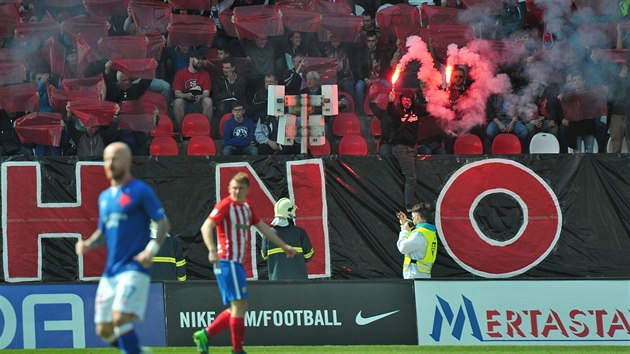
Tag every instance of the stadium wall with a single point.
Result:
(529, 216)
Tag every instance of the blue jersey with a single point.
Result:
(125, 213)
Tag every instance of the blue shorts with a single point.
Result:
(232, 281)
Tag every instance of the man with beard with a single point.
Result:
(191, 87)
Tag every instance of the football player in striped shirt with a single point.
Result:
(232, 217)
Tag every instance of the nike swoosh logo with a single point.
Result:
(362, 321)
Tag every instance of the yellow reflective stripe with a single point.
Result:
(182, 278)
(264, 256)
(280, 250)
(181, 263)
(310, 254)
(164, 260)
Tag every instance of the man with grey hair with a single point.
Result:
(313, 84)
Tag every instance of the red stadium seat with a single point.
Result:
(346, 123)
(375, 127)
(468, 144)
(320, 150)
(222, 123)
(163, 146)
(164, 126)
(195, 124)
(506, 143)
(201, 146)
(353, 145)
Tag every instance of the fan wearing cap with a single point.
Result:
(191, 88)
(281, 267)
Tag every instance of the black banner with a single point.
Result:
(355, 219)
(305, 313)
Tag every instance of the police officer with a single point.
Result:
(280, 266)
(417, 241)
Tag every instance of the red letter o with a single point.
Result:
(474, 251)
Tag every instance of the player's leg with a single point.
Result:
(237, 324)
(103, 311)
(238, 306)
(222, 321)
(132, 292)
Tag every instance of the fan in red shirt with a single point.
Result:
(192, 86)
(232, 217)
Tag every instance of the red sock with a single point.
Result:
(219, 324)
(237, 325)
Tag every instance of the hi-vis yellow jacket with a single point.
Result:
(420, 249)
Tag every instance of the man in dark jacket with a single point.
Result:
(280, 266)
(406, 115)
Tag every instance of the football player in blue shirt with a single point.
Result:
(125, 212)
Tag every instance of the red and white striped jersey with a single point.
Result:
(233, 221)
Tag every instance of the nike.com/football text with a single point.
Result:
(277, 318)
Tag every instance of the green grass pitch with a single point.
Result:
(358, 349)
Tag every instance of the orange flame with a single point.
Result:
(396, 75)
(447, 73)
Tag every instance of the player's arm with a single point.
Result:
(97, 239)
(163, 227)
(153, 247)
(273, 237)
(208, 238)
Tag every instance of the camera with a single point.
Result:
(410, 223)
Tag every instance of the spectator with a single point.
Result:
(502, 119)
(121, 87)
(10, 143)
(314, 88)
(238, 133)
(267, 126)
(615, 79)
(221, 40)
(192, 87)
(458, 86)
(546, 117)
(405, 124)
(44, 106)
(292, 46)
(177, 58)
(282, 267)
(368, 23)
(313, 84)
(90, 141)
(510, 20)
(367, 58)
(337, 50)
(571, 130)
(293, 78)
(263, 59)
(260, 98)
(124, 89)
(227, 89)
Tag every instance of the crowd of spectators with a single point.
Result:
(62, 47)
